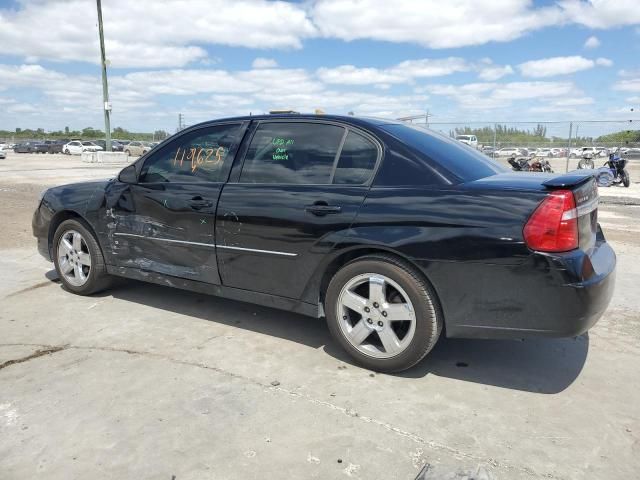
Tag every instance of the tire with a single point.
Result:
(96, 277)
(67, 152)
(127, 152)
(420, 333)
(626, 181)
(586, 164)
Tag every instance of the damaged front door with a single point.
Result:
(165, 222)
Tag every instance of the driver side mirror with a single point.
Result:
(128, 175)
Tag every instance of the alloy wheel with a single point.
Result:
(74, 259)
(376, 315)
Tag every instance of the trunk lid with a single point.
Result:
(581, 183)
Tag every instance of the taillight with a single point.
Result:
(553, 227)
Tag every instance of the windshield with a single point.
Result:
(464, 162)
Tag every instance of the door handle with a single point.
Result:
(198, 202)
(322, 208)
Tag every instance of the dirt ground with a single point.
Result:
(143, 381)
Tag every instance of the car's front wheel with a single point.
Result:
(383, 313)
(78, 259)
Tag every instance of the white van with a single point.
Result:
(470, 140)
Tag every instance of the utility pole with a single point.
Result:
(105, 87)
(493, 153)
(569, 149)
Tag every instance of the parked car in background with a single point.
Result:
(470, 140)
(3, 155)
(56, 146)
(575, 152)
(543, 152)
(632, 152)
(347, 218)
(116, 146)
(123, 142)
(91, 147)
(73, 148)
(487, 150)
(595, 152)
(40, 147)
(510, 152)
(137, 148)
(76, 147)
(25, 147)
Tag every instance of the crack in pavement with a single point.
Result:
(32, 287)
(38, 353)
(268, 387)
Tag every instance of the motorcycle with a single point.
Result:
(613, 172)
(537, 165)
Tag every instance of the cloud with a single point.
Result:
(601, 14)
(500, 95)
(604, 62)
(142, 34)
(138, 94)
(434, 24)
(491, 73)
(569, 106)
(351, 75)
(264, 63)
(630, 85)
(572, 102)
(549, 67)
(592, 42)
(403, 72)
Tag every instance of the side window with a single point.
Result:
(292, 153)
(198, 156)
(357, 160)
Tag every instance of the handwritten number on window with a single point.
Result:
(198, 157)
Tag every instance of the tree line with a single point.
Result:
(513, 135)
(88, 133)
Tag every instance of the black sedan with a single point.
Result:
(115, 145)
(392, 232)
(26, 147)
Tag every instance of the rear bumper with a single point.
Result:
(560, 295)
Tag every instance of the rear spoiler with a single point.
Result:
(570, 179)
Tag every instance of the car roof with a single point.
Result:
(357, 121)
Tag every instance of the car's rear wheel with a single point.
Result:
(127, 152)
(78, 259)
(383, 313)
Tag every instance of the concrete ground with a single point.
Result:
(143, 381)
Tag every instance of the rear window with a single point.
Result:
(465, 163)
(357, 160)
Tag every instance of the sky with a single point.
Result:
(460, 60)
